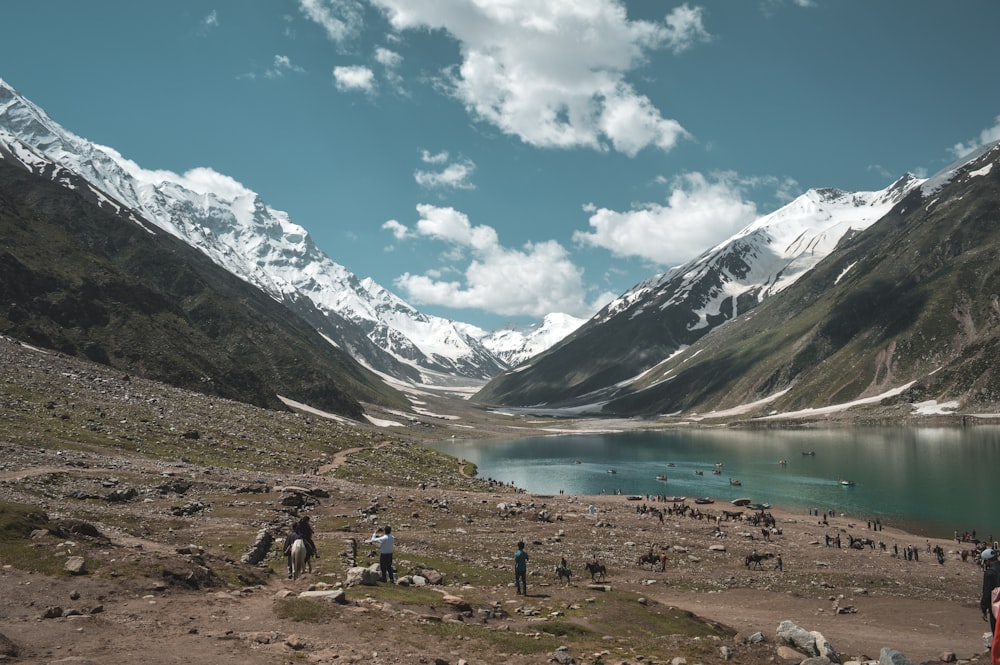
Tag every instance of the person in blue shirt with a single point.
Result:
(387, 545)
(521, 569)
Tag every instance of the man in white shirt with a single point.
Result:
(387, 544)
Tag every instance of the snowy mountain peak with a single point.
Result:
(516, 345)
(766, 256)
(232, 225)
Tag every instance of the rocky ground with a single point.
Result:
(132, 516)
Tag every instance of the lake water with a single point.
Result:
(931, 481)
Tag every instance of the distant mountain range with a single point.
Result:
(262, 246)
(837, 296)
(834, 298)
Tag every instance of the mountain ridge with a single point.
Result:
(666, 313)
(233, 226)
(906, 309)
(80, 274)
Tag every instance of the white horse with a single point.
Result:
(300, 558)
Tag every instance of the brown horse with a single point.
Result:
(653, 560)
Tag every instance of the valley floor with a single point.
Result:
(162, 493)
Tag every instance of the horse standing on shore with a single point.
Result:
(300, 558)
(564, 572)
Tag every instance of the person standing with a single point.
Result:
(387, 545)
(521, 569)
(991, 580)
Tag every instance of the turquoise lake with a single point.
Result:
(932, 481)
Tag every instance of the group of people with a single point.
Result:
(989, 601)
(303, 531)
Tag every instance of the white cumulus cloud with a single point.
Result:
(342, 20)
(535, 280)
(354, 77)
(454, 175)
(988, 135)
(699, 212)
(554, 73)
(685, 27)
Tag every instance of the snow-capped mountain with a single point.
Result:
(261, 245)
(667, 313)
(514, 345)
(768, 255)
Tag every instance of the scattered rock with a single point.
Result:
(367, 576)
(75, 565)
(890, 656)
(333, 595)
(7, 647)
(457, 602)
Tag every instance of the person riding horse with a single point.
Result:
(755, 559)
(653, 559)
(595, 568)
(562, 570)
(305, 531)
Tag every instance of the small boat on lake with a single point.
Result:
(716, 472)
(758, 506)
(704, 500)
(675, 499)
(699, 472)
(740, 502)
(734, 482)
(612, 471)
(847, 483)
(661, 477)
(809, 452)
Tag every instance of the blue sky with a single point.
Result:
(492, 161)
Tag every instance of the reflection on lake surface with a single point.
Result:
(929, 480)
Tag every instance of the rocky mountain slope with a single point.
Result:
(83, 275)
(910, 300)
(262, 246)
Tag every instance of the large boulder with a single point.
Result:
(892, 657)
(369, 576)
(810, 642)
(332, 595)
(76, 565)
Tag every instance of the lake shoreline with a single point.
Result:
(934, 488)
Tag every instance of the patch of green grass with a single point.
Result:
(455, 570)
(17, 521)
(25, 555)
(402, 595)
(622, 614)
(501, 641)
(303, 609)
